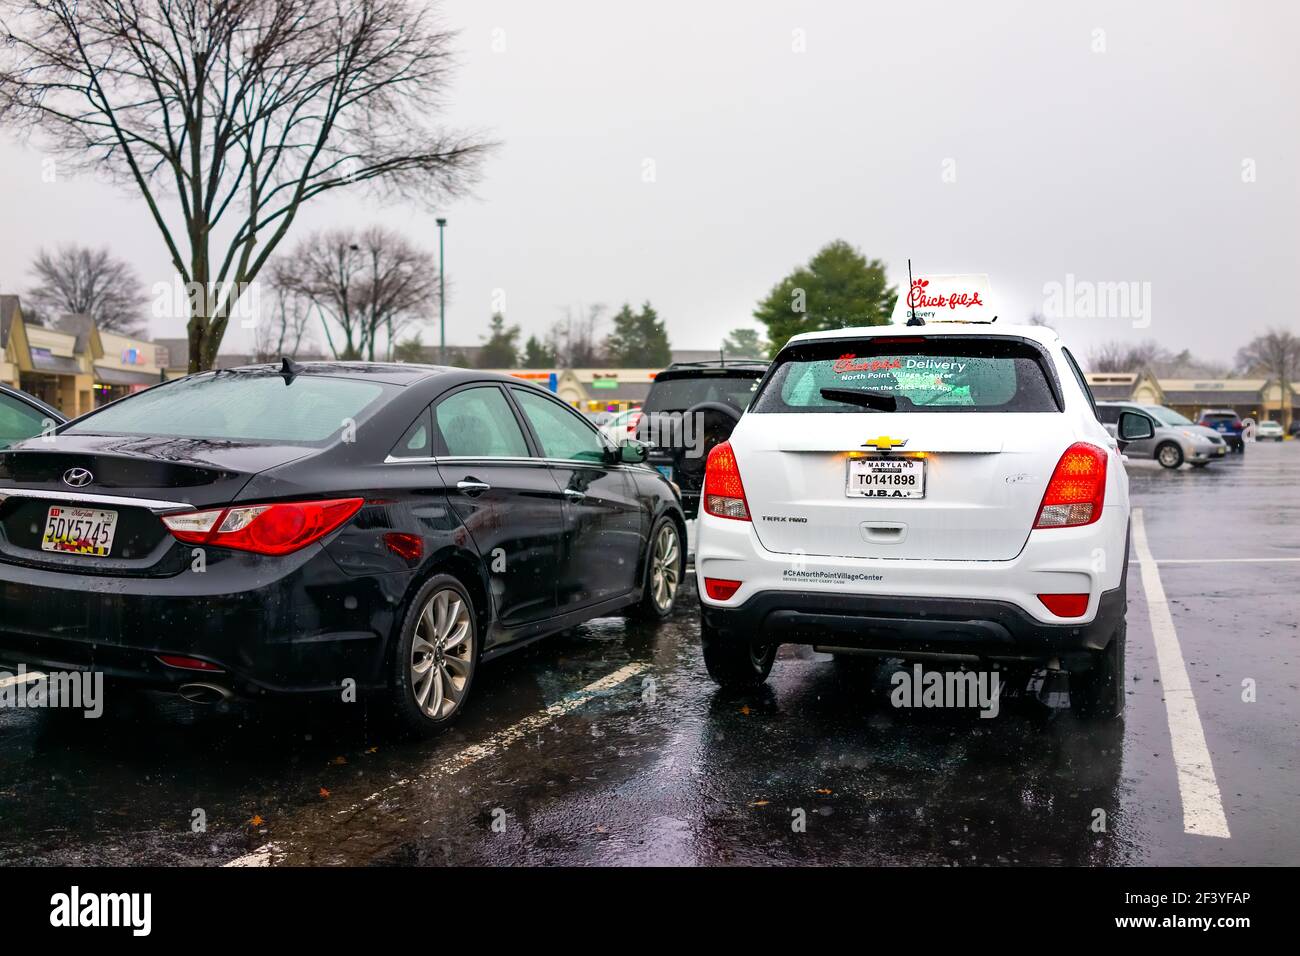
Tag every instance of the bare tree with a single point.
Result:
(1124, 356)
(370, 284)
(244, 109)
(1275, 354)
(87, 281)
(574, 340)
(284, 330)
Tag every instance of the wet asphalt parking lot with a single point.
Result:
(610, 745)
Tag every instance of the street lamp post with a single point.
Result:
(442, 297)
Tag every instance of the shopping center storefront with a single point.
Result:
(1254, 398)
(71, 365)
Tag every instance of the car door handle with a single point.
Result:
(471, 486)
(574, 495)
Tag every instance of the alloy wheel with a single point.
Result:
(665, 574)
(442, 654)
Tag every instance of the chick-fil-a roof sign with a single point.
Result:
(946, 298)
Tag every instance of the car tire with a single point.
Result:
(441, 630)
(735, 664)
(665, 567)
(1169, 455)
(1099, 693)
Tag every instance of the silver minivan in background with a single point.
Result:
(1177, 439)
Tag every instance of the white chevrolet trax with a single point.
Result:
(943, 492)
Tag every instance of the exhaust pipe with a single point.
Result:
(205, 693)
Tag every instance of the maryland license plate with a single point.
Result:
(79, 531)
(886, 478)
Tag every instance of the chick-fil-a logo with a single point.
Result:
(848, 362)
(917, 299)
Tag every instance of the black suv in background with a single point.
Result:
(693, 406)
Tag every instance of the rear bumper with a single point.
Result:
(915, 626)
(1205, 452)
(293, 624)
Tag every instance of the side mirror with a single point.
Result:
(633, 452)
(1134, 427)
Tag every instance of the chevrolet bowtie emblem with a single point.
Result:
(885, 443)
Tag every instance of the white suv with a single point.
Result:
(943, 492)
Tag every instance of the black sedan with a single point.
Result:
(331, 527)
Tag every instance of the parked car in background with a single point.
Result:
(932, 493)
(1294, 430)
(1176, 438)
(620, 426)
(393, 525)
(1227, 424)
(1269, 430)
(691, 408)
(23, 416)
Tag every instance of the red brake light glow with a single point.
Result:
(407, 546)
(1077, 490)
(720, 589)
(188, 663)
(1065, 605)
(724, 494)
(274, 529)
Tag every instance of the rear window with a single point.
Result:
(679, 394)
(1166, 416)
(239, 406)
(911, 374)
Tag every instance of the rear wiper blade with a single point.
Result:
(875, 401)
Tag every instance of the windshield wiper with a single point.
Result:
(875, 401)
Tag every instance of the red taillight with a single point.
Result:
(189, 663)
(724, 494)
(632, 422)
(263, 529)
(1065, 605)
(1077, 491)
(720, 589)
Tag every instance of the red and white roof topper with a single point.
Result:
(947, 298)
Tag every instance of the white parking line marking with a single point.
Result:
(498, 742)
(21, 678)
(1202, 805)
(1224, 560)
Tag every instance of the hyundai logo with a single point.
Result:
(77, 477)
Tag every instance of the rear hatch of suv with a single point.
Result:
(912, 447)
(680, 445)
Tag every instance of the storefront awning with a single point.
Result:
(1211, 398)
(42, 361)
(117, 376)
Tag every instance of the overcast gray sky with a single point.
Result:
(1111, 141)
